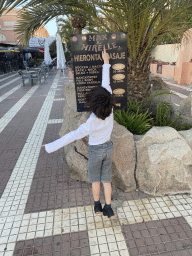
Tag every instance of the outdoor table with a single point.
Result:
(41, 70)
(31, 75)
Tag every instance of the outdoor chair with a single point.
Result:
(46, 68)
(40, 69)
(25, 63)
(31, 75)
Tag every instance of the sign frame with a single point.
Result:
(87, 65)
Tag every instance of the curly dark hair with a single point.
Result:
(100, 101)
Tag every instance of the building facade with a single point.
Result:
(178, 58)
(7, 28)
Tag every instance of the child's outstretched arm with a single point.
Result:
(105, 72)
(83, 130)
(105, 56)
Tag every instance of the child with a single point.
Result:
(99, 127)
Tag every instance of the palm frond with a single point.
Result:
(30, 19)
(147, 22)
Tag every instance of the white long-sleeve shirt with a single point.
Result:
(99, 130)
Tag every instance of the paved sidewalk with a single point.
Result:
(43, 212)
(181, 91)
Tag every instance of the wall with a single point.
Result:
(7, 28)
(167, 70)
(7, 23)
(41, 32)
(166, 53)
(186, 75)
(183, 73)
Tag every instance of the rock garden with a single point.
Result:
(157, 160)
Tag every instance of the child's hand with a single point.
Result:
(105, 56)
(43, 146)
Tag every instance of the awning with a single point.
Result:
(8, 45)
(9, 49)
(28, 49)
(17, 48)
(40, 49)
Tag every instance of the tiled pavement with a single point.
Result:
(43, 212)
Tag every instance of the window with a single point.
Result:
(159, 68)
(9, 23)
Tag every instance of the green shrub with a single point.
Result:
(138, 120)
(136, 123)
(185, 126)
(133, 106)
(163, 115)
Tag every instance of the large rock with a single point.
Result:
(164, 162)
(159, 86)
(187, 135)
(186, 110)
(76, 153)
(124, 158)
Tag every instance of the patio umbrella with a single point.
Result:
(60, 53)
(47, 57)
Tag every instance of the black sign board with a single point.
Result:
(87, 64)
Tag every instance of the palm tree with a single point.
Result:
(31, 18)
(78, 22)
(147, 23)
(4, 4)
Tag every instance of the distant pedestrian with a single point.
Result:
(99, 127)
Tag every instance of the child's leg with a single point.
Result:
(107, 210)
(96, 196)
(96, 191)
(108, 192)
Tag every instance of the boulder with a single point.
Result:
(157, 84)
(124, 158)
(186, 110)
(164, 162)
(187, 135)
(76, 153)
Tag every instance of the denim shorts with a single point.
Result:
(100, 162)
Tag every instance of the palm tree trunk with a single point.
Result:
(138, 85)
(78, 22)
(78, 30)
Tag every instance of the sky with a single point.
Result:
(51, 27)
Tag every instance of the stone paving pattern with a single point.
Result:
(44, 212)
(164, 237)
(74, 244)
